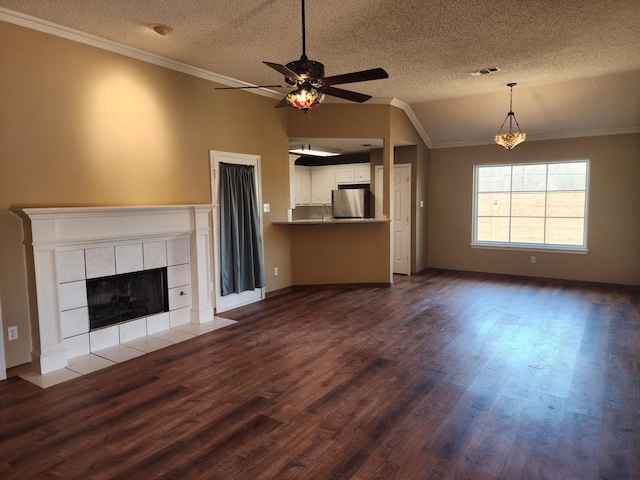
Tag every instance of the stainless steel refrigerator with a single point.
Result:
(350, 203)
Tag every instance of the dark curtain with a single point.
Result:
(241, 265)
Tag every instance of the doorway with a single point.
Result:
(232, 300)
(401, 215)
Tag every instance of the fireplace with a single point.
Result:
(76, 251)
(118, 298)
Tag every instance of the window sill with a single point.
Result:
(523, 247)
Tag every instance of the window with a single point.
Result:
(539, 205)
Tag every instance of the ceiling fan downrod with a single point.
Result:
(304, 36)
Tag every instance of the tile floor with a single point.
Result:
(97, 360)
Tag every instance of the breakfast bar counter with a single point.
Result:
(334, 221)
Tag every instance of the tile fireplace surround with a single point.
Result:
(67, 246)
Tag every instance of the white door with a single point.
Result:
(3, 363)
(227, 302)
(401, 219)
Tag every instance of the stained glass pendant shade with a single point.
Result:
(305, 97)
(511, 139)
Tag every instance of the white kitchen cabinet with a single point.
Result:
(353, 173)
(323, 180)
(292, 180)
(313, 185)
(345, 175)
(363, 174)
(302, 186)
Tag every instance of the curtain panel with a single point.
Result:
(241, 264)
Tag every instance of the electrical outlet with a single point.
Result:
(275, 271)
(12, 333)
(421, 203)
(266, 208)
(533, 259)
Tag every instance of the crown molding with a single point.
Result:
(51, 28)
(98, 42)
(540, 138)
(414, 121)
(394, 102)
(586, 133)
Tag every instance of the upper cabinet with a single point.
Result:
(323, 180)
(313, 185)
(302, 185)
(363, 174)
(345, 175)
(354, 173)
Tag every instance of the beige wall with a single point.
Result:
(340, 254)
(613, 237)
(80, 126)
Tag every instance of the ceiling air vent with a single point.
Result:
(485, 71)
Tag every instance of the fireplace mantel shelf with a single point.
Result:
(84, 225)
(61, 212)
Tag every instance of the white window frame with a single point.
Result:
(539, 247)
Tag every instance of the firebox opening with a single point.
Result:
(118, 298)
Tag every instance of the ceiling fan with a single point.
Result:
(311, 84)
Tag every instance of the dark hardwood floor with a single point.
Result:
(444, 375)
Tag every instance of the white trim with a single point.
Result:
(414, 121)
(51, 28)
(222, 304)
(98, 42)
(542, 247)
(3, 361)
(522, 247)
(539, 138)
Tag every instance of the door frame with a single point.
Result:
(379, 171)
(3, 360)
(233, 300)
(378, 175)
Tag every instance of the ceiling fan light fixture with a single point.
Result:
(512, 139)
(305, 98)
(311, 86)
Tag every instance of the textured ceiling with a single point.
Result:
(577, 63)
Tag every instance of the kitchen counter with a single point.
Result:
(334, 221)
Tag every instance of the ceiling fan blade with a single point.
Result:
(346, 94)
(285, 71)
(282, 103)
(363, 76)
(254, 86)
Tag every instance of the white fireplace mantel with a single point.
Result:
(49, 232)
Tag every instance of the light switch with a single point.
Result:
(266, 208)
(421, 203)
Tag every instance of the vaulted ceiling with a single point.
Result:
(577, 63)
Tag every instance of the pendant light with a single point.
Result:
(511, 139)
